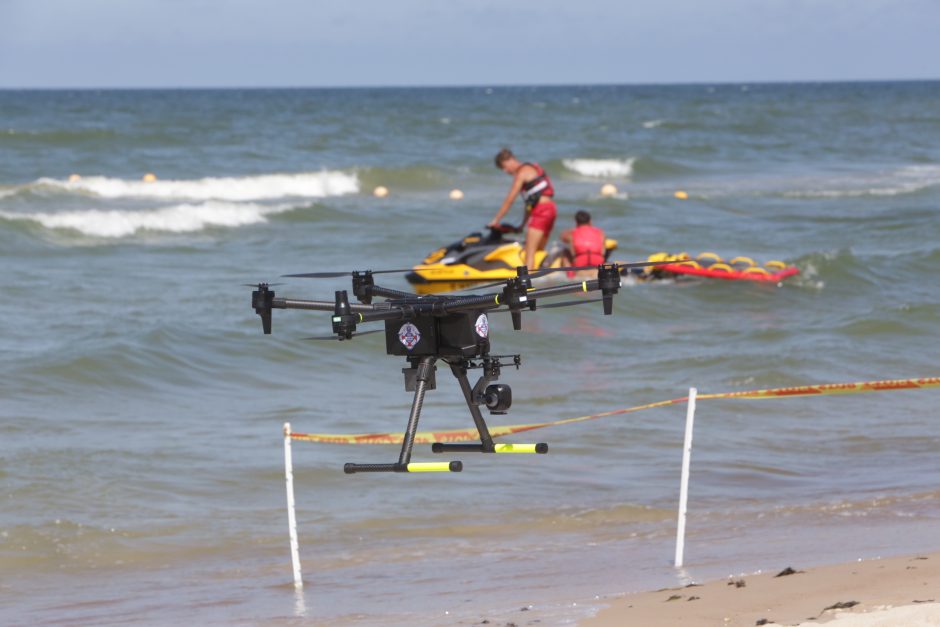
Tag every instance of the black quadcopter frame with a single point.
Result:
(450, 328)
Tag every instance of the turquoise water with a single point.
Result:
(141, 457)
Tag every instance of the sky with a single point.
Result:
(311, 43)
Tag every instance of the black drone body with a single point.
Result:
(449, 328)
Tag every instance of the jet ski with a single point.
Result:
(490, 255)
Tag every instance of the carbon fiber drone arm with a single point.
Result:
(317, 305)
(607, 282)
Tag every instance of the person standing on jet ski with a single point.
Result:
(531, 182)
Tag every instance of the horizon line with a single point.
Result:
(469, 86)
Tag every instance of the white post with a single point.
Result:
(684, 485)
(291, 516)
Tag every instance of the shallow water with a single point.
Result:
(142, 463)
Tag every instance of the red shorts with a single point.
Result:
(543, 216)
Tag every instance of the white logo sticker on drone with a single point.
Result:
(409, 335)
(482, 325)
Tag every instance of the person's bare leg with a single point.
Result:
(534, 240)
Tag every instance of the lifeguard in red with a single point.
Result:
(585, 241)
(537, 195)
(529, 181)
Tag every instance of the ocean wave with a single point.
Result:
(261, 187)
(900, 182)
(56, 137)
(418, 177)
(601, 168)
(183, 218)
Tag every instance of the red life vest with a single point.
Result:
(540, 186)
(587, 243)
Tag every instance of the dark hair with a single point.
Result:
(582, 217)
(503, 156)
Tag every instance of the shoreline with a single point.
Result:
(902, 590)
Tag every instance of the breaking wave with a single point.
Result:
(262, 187)
(906, 180)
(183, 218)
(599, 168)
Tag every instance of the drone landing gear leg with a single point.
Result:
(486, 444)
(424, 371)
(486, 441)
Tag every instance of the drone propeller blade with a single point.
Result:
(636, 264)
(334, 337)
(485, 286)
(569, 303)
(333, 275)
(317, 275)
(257, 285)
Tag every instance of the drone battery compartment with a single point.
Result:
(449, 335)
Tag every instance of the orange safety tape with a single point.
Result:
(466, 435)
(832, 388)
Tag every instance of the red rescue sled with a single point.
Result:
(712, 266)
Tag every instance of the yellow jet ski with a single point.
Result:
(482, 256)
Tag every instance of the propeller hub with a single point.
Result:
(344, 322)
(261, 301)
(608, 281)
(515, 295)
(362, 284)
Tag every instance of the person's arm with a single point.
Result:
(510, 197)
(565, 236)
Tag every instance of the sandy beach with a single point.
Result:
(895, 591)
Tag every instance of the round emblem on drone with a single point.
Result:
(482, 325)
(409, 335)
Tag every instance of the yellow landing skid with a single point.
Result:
(435, 467)
(540, 448)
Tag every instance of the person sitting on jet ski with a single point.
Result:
(532, 183)
(586, 242)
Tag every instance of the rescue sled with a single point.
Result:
(712, 266)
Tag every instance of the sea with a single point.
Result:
(142, 474)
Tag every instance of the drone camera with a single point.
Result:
(498, 398)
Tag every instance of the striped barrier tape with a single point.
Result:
(467, 435)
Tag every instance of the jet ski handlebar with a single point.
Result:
(504, 227)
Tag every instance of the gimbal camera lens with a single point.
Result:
(498, 398)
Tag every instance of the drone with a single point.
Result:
(453, 329)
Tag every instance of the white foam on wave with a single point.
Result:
(653, 123)
(262, 187)
(906, 180)
(600, 168)
(183, 218)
